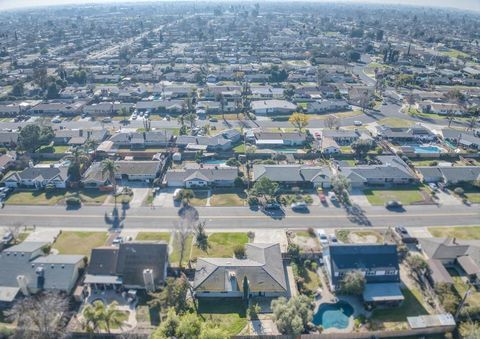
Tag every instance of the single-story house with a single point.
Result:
(38, 177)
(341, 136)
(461, 138)
(270, 107)
(207, 176)
(126, 170)
(377, 262)
(136, 265)
(7, 161)
(140, 140)
(220, 142)
(329, 146)
(391, 170)
(64, 136)
(417, 133)
(443, 108)
(276, 139)
(25, 268)
(449, 175)
(324, 106)
(262, 269)
(294, 175)
(8, 139)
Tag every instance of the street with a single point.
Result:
(239, 217)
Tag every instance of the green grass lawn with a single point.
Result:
(464, 232)
(87, 196)
(406, 196)
(200, 198)
(453, 53)
(228, 197)
(472, 192)
(175, 255)
(221, 245)
(74, 242)
(427, 162)
(153, 236)
(311, 280)
(53, 149)
(411, 306)
(239, 148)
(228, 313)
(395, 122)
(346, 149)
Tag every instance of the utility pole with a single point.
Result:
(467, 293)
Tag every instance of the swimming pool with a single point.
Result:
(426, 149)
(214, 162)
(333, 315)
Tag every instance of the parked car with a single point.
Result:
(332, 196)
(333, 239)
(322, 236)
(357, 123)
(7, 238)
(117, 241)
(213, 120)
(273, 206)
(404, 235)
(56, 120)
(107, 120)
(433, 187)
(302, 205)
(393, 204)
(323, 198)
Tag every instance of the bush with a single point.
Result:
(73, 201)
(50, 188)
(125, 201)
(232, 162)
(253, 311)
(239, 251)
(434, 163)
(459, 191)
(238, 182)
(314, 266)
(3, 150)
(311, 232)
(252, 201)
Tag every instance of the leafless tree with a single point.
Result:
(42, 316)
(332, 122)
(183, 229)
(15, 230)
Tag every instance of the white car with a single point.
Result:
(322, 236)
(357, 123)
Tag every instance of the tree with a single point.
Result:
(112, 316)
(353, 283)
(201, 238)
(18, 90)
(470, 330)
(213, 332)
(46, 135)
(362, 147)
(189, 326)
(182, 232)
(78, 159)
(331, 122)
(29, 138)
(417, 264)
(173, 295)
(53, 91)
(168, 328)
(298, 120)
(340, 185)
(191, 118)
(44, 315)
(124, 113)
(185, 195)
(265, 187)
(109, 169)
(292, 316)
(246, 288)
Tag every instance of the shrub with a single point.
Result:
(311, 232)
(239, 251)
(459, 191)
(253, 311)
(3, 150)
(232, 162)
(251, 235)
(125, 201)
(73, 201)
(238, 182)
(314, 266)
(434, 163)
(50, 188)
(252, 201)
(307, 263)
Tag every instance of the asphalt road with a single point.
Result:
(238, 217)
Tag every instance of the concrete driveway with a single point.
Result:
(357, 197)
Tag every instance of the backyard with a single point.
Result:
(230, 314)
(221, 245)
(73, 242)
(406, 195)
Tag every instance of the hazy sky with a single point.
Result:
(462, 4)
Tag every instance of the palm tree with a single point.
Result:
(90, 145)
(124, 112)
(186, 195)
(113, 317)
(110, 168)
(93, 315)
(191, 118)
(221, 98)
(78, 159)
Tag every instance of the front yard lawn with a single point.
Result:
(472, 192)
(410, 307)
(228, 198)
(36, 197)
(221, 245)
(153, 236)
(200, 198)
(464, 232)
(175, 255)
(73, 242)
(306, 241)
(396, 122)
(228, 313)
(407, 196)
(364, 237)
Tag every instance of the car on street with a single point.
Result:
(299, 206)
(273, 207)
(322, 236)
(433, 186)
(56, 120)
(393, 204)
(107, 120)
(357, 123)
(213, 120)
(7, 238)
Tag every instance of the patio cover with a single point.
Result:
(382, 292)
(468, 265)
(8, 294)
(102, 279)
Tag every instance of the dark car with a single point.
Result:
(393, 204)
(273, 207)
(404, 235)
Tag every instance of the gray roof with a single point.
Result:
(451, 174)
(40, 174)
(103, 261)
(8, 137)
(27, 259)
(209, 174)
(450, 249)
(438, 272)
(138, 167)
(382, 292)
(340, 133)
(263, 268)
(291, 173)
(293, 136)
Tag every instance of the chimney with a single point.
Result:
(80, 133)
(148, 279)
(22, 283)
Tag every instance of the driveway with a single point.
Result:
(448, 199)
(164, 198)
(272, 236)
(139, 196)
(357, 197)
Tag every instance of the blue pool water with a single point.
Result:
(214, 162)
(333, 315)
(426, 149)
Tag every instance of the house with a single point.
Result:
(67, 136)
(341, 136)
(219, 142)
(126, 170)
(377, 262)
(132, 265)
(329, 146)
(58, 108)
(461, 138)
(25, 268)
(450, 175)
(38, 177)
(276, 139)
(209, 176)
(417, 133)
(9, 139)
(451, 252)
(390, 170)
(294, 175)
(140, 140)
(325, 106)
(262, 268)
(270, 107)
(442, 108)
(7, 161)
